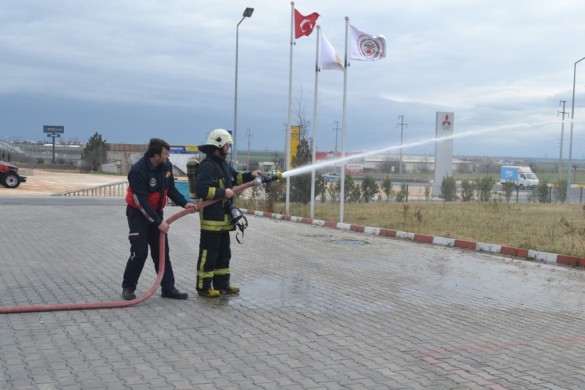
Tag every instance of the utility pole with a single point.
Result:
(249, 135)
(401, 124)
(285, 131)
(336, 128)
(562, 102)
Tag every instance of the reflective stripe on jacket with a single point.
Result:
(214, 176)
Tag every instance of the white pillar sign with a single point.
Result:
(443, 148)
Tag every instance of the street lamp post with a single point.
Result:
(572, 116)
(247, 13)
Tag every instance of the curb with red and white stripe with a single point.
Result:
(528, 254)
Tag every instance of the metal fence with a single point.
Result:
(118, 189)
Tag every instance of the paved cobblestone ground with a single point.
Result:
(320, 309)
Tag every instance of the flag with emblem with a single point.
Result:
(364, 47)
(329, 57)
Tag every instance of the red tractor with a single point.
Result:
(9, 176)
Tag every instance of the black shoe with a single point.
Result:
(128, 293)
(174, 294)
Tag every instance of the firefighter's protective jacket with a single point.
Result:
(213, 178)
(149, 187)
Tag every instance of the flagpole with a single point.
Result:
(315, 98)
(344, 124)
(287, 141)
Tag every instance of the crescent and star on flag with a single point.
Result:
(304, 25)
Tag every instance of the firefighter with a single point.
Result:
(215, 179)
(150, 181)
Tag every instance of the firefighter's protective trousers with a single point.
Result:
(214, 176)
(214, 260)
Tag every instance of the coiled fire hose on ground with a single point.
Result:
(161, 265)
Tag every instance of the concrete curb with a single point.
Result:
(527, 254)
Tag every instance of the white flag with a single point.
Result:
(364, 47)
(329, 57)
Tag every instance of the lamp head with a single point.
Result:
(248, 12)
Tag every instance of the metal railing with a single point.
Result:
(26, 171)
(118, 189)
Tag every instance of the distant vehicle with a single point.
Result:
(9, 176)
(331, 176)
(522, 177)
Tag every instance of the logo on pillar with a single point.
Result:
(446, 124)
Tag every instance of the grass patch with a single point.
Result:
(555, 228)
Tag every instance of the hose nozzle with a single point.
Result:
(266, 178)
(271, 176)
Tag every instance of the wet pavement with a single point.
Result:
(320, 308)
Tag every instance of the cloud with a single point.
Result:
(135, 67)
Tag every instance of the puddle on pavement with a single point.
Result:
(292, 292)
(277, 290)
(349, 241)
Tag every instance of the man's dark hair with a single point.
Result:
(155, 146)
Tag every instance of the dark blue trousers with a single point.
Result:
(143, 235)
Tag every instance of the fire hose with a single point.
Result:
(266, 179)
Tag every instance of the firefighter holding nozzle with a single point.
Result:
(215, 180)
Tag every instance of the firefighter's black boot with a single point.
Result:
(209, 293)
(230, 290)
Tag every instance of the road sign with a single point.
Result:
(53, 129)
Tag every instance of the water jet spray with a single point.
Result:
(308, 168)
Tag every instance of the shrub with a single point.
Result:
(402, 195)
(542, 193)
(508, 188)
(449, 189)
(387, 188)
(369, 188)
(427, 192)
(467, 190)
(485, 186)
(562, 190)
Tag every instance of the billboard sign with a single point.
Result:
(53, 129)
(183, 149)
(295, 138)
(355, 167)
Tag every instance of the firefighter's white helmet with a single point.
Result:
(218, 138)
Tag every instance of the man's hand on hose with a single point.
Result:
(163, 227)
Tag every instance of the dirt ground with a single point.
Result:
(43, 183)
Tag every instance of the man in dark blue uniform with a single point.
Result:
(151, 181)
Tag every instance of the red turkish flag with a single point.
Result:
(304, 25)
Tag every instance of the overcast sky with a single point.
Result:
(135, 69)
